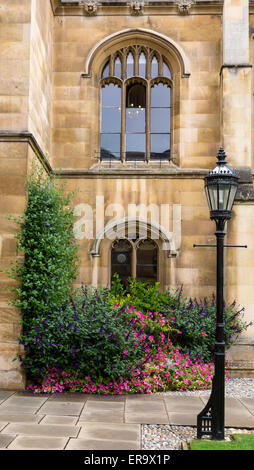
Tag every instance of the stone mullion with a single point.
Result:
(160, 62)
(148, 121)
(136, 57)
(134, 262)
(148, 65)
(124, 65)
(123, 122)
(111, 65)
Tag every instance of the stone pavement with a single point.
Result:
(92, 422)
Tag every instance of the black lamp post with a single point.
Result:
(220, 186)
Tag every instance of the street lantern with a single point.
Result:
(220, 186)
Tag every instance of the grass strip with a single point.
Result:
(239, 442)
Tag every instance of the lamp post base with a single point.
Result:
(210, 421)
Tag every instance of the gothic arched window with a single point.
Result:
(136, 259)
(136, 105)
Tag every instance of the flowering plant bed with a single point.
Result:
(163, 367)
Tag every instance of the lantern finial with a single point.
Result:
(221, 156)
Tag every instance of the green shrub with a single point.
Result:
(144, 296)
(46, 239)
(197, 322)
(87, 334)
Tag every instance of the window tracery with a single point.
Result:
(137, 124)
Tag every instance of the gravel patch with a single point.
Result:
(170, 437)
(236, 388)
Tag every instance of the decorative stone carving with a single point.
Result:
(137, 7)
(245, 191)
(184, 6)
(90, 7)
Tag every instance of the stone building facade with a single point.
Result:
(131, 102)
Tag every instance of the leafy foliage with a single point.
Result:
(49, 265)
(87, 334)
(195, 319)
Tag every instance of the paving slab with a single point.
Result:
(20, 417)
(110, 398)
(146, 411)
(101, 416)
(68, 396)
(5, 440)
(101, 444)
(147, 418)
(4, 394)
(177, 404)
(145, 404)
(46, 430)
(62, 408)
(183, 412)
(239, 418)
(21, 404)
(95, 405)
(183, 419)
(51, 419)
(249, 403)
(111, 431)
(3, 425)
(19, 400)
(38, 443)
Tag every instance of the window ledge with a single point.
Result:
(133, 165)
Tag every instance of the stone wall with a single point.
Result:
(13, 163)
(14, 64)
(40, 89)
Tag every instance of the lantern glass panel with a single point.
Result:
(223, 196)
(231, 199)
(208, 198)
(213, 193)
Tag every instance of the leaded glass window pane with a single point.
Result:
(142, 65)
(111, 95)
(135, 121)
(121, 260)
(110, 121)
(147, 257)
(118, 68)
(130, 65)
(160, 96)
(160, 119)
(166, 71)
(154, 67)
(105, 72)
(160, 146)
